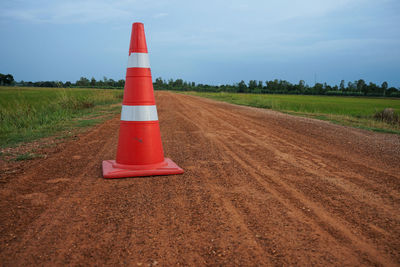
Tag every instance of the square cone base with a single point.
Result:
(109, 171)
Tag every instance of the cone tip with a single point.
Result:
(138, 39)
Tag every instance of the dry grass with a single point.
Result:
(388, 115)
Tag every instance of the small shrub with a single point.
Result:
(387, 115)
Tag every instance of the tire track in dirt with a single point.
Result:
(288, 141)
(263, 184)
(248, 243)
(266, 186)
(324, 220)
(321, 212)
(308, 165)
(285, 141)
(372, 229)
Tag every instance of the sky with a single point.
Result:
(210, 41)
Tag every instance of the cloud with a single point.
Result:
(70, 12)
(84, 11)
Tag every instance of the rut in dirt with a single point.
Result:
(260, 188)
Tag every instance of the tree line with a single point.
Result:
(356, 88)
(83, 82)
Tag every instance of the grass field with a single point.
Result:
(350, 111)
(27, 114)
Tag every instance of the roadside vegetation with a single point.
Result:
(27, 114)
(377, 114)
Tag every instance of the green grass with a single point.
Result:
(350, 111)
(27, 114)
(27, 156)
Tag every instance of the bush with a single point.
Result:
(387, 115)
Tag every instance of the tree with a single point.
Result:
(319, 88)
(384, 88)
(392, 91)
(385, 85)
(302, 85)
(351, 87)
(178, 83)
(111, 82)
(373, 88)
(285, 86)
(6, 79)
(121, 83)
(83, 82)
(159, 84)
(242, 87)
(252, 85)
(341, 86)
(9, 79)
(361, 86)
(59, 84)
(93, 81)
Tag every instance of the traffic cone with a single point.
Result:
(140, 151)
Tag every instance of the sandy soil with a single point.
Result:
(260, 188)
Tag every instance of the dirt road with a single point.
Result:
(260, 188)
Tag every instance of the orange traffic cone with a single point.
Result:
(140, 151)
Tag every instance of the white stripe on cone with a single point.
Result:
(138, 60)
(139, 113)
